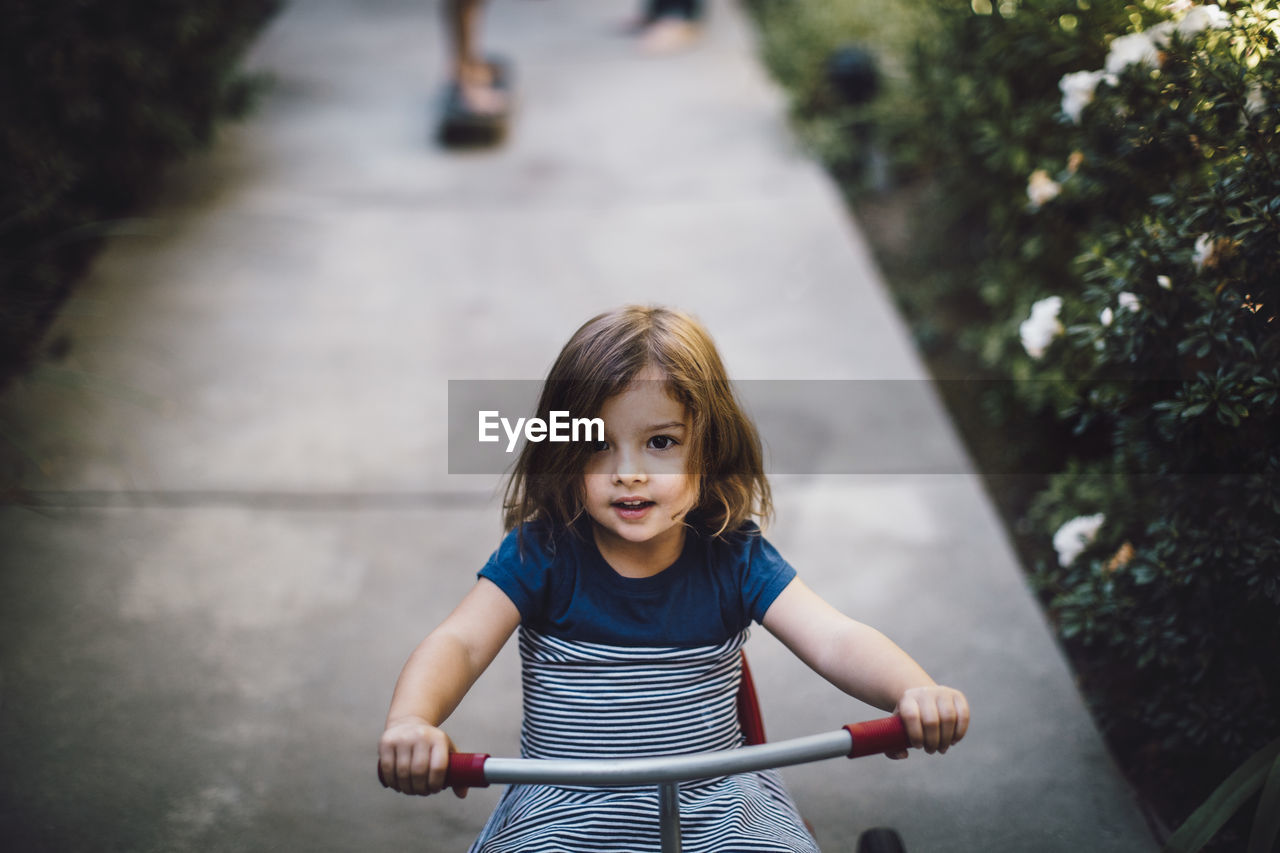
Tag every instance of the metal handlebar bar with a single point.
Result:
(479, 770)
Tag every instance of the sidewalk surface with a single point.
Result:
(245, 519)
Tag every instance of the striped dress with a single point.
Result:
(587, 700)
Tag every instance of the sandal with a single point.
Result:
(461, 125)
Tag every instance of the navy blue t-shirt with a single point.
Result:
(714, 589)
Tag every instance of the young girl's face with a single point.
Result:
(637, 485)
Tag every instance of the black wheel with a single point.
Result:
(880, 840)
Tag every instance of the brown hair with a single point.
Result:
(601, 359)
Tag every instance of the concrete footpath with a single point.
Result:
(241, 518)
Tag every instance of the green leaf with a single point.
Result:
(1205, 821)
(1266, 820)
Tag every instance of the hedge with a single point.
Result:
(1101, 236)
(99, 96)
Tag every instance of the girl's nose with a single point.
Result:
(629, 468)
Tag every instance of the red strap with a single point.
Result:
(749, 716)
(876, 736)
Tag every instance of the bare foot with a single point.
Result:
(668, 35)
(479, 94)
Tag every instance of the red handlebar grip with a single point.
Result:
(466, 770)
(877, 736)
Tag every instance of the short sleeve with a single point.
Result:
(765, 574)
(520, 568)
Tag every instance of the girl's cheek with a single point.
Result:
(682, 484)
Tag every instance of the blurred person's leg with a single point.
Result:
(474, 75)
(478, 98)
(670, 25)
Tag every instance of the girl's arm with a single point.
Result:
(413, 752)
(867, 665)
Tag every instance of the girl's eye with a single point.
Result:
(599, 446)
(662, 442)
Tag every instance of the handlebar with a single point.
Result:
(479, 770)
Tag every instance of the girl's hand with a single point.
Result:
(935, 717)
(413, 756)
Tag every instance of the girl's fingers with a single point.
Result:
(386, 766)
(439, 768)
(962, 717)
(414, 758)
(418, 770)
(934, 717)
(946, 723)
(909, 711)
(403, 775)
(929, 724)
(953, 718)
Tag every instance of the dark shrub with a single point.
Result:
(98, 96)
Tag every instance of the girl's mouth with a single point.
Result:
(630, 509)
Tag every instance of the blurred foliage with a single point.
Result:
(798, 39)
(98, 96)
(1138, 206)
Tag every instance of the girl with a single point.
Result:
(632, 569)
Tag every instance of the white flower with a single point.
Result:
(1196, 20)
(1161, 34)
(1132, 49)
(1165, 282)
(1174, 7)
(1255, 101)
(1042, 189)
(1127, 301)
(1204, 252)
(1074, 536)
(1077, 89)
(1039, 330)
(1203, 18)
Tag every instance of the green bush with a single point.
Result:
(1129, 254)
(798, 37)
(99, 95)
(1104, 231)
